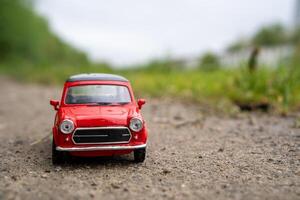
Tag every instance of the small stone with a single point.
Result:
(19, 142)
(4, 170)
(47, 171)
(13, 178)
(115, 186)
(57, 169)
(200, 157)
(224, 186)
(279, 162)
(261, 129)
(220, 150)
(93, 184)
(44, 176)
(178, 117)
(92, 195)
(166, 171)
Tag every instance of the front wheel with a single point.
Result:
(58, 157)
(139, 155)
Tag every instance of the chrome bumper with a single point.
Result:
(99, 148)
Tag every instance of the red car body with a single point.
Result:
(92, 121)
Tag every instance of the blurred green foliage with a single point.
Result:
(25, 37)
(272, 35)
(164, 65)
(29, 51)
(237, 46)
(268, 36)
(209, 61)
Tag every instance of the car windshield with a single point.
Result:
(98, 94)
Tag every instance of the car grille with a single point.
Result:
(101, 135)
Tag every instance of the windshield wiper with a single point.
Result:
(107, 103)
(123, 103)
(103, 103)
(98, 104)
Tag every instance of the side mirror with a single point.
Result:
(141, 102)
(55, 104)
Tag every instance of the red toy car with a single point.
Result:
(98, 116)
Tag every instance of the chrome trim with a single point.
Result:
(102, 127)
(99, 148)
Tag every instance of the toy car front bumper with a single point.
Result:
(101, 148)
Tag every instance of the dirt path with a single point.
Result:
(190, 155)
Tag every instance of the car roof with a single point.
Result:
(96, 77)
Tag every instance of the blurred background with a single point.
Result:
(227, 54)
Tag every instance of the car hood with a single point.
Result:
(96, 116)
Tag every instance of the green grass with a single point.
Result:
(278, 87)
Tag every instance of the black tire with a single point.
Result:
(139, 155)
(58, 157)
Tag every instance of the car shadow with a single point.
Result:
(96, 161)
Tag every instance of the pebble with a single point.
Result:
(92, 195)
(178, 117)
(44, 176)
(58, 169)
(166, 171)
(19, 142)
(93, 184)
(115, 186)
(14, 178)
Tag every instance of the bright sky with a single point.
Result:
(125, 32)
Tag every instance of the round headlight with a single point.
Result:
(136, 124)
(67, 126)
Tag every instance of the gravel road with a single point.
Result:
(192, 154)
